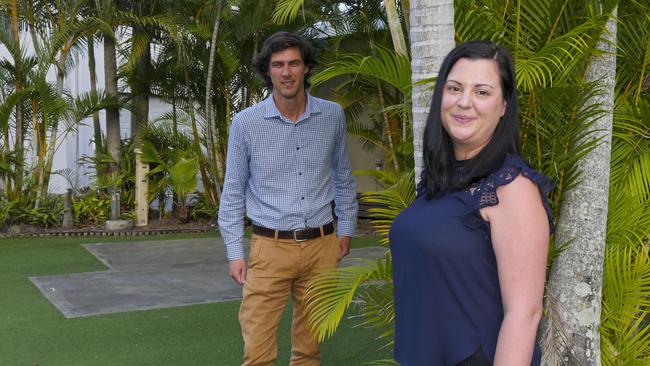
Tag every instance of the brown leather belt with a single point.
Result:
(297, 235)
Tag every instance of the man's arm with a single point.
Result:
(345, 189)
(232, 207)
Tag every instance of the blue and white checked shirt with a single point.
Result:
(285, 174)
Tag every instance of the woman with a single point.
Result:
(469, 254)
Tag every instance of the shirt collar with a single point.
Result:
(272, 111)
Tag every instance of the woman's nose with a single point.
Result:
(464, 100)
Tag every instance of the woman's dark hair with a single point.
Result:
(440, 173)
(278, 42)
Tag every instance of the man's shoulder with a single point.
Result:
(251, 113)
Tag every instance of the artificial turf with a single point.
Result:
(33, 332)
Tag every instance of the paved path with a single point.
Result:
(151, 275)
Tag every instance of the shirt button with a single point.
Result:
(297, 148)
(302, 198)
(300, 173)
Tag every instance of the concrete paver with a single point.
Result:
(151, 275)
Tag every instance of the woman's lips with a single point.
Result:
(461, 118)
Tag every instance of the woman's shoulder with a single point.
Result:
(484, 193)
(512, 167)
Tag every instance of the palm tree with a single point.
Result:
(430, 20)
(575, 282)
(19, 138)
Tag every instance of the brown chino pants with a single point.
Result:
(275, 269)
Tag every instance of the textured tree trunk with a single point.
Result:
(54, 132)
(395, 25)
(575, 284)
(432, 37)
(112, 113)
(406, 9)
(205, 177)
(18, 142)
(141, 89)
(210, 113)
(113, 137)
(93, 89)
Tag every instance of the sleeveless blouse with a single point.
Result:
(446, 285)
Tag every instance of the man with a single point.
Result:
(287, 161)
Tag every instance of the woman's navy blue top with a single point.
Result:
(447, 295)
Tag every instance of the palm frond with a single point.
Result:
(286, 11)
(330, 293)
(388, 66)
(625, 331)
(393, 201)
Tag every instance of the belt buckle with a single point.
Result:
(295, 237)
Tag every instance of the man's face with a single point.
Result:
(287, 72)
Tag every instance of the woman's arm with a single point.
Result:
(520, 232)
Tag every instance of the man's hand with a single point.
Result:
(238, 271)
(344, 243)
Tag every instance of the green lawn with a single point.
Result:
(33, 332)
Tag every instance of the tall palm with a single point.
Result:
(19, 137)
(430, 20)
(584, 220)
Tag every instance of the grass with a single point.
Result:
(33, 332)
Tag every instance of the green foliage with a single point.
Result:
(331, 292)
(375, 89)
(369, 286)
(49, 213)
(393, 200)
(203, 209)
(626, 286)
(173, 164)
(90, 209)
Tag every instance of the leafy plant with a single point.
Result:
(368, 285)
(49, 213)
(202, 208)
(90, 209)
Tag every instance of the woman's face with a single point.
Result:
(472, 105)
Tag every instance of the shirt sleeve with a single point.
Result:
(345, 190)
(232, 207)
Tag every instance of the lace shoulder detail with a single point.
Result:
(484, 193)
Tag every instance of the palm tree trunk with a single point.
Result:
(210, 113)
(93, 89)
(18, 143)
(576, 279)
(407, 12)
(387, 130)
(113, 137)
(51, 145)
(395, 26)
(112, 113)
(141, 88)
(205, 178)
(432, 37)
